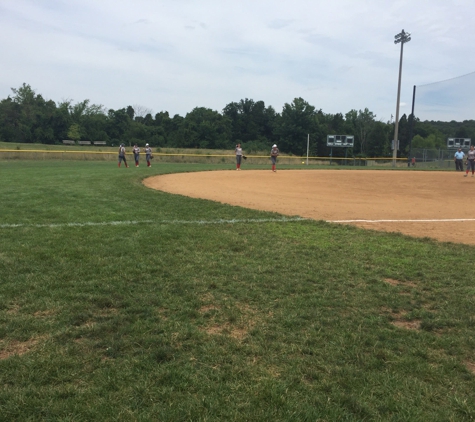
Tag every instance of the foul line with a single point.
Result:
(133, 222)
(224, 221)
(440, 220)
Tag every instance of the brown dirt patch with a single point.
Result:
(407, 198)
(396, 283)
(237, 330)
(470, 366)
(234, 332)
(15, 309)
(399, 320)
(19, 348)
(408, 325)
(163, 312)
(207, 308)
(44, 314)
(107, 312)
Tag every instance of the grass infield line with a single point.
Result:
(440, 220)
(223, 221)
(132, 222)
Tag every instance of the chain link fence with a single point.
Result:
(433, 158)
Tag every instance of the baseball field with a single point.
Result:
(239, 298)
(433, 204)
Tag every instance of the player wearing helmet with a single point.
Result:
(148, 154)
(274, 152)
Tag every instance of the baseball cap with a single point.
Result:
(146, 145)
(274, 146)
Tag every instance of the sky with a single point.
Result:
(175, 55)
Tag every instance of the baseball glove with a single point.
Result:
(244, 157)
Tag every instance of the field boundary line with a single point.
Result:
(135, 222)
(438, 220)
(223, 221)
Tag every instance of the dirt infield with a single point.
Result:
(416, 203)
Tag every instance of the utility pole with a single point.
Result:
(403, 37)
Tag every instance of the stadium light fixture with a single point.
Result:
(401, 38)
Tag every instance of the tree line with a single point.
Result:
(26, 116)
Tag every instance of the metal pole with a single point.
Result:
(411, 124)
(396, 123)
(308, 144)
(402, 38)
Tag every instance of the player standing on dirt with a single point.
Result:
(470, 161)
(274, 153)
(122, 155)
(458, 158)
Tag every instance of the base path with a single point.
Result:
(440, 205)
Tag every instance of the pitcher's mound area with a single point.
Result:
(440, 205)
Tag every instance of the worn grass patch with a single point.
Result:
(16, 347)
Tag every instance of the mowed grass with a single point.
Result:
(169, 308)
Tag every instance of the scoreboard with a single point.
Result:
(459, 142)
(347, 141)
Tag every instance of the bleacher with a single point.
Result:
(71, 142)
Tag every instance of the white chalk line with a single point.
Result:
(135, 222)
(224, 221)
(439, 220)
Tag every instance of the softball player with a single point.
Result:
(274, 152)
(148, 154)
(122, 155)
(238, 152)
(470, 161)
(136, 151)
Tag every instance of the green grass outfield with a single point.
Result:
(120, 303)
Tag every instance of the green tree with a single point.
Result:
(26, 97)
(378, 143)
(462, 132)
(206, 128)
(432, 141)
(74, 132)
(176, 135)
(61, 121)
(403, 133)
(296, 123)
(252, 123)
(10, 116)
(130, 112)
(118, 123)
(361, 124)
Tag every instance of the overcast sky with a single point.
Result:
(174, 55)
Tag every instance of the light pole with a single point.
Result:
(403, 37)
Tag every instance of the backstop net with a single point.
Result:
(447, 100)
